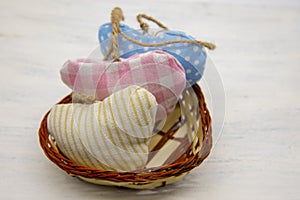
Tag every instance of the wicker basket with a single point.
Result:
(148, 177)
(181, 145)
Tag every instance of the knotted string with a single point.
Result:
(144, 26)
(117, 16)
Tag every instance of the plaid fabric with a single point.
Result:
(157, 71)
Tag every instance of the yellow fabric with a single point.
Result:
(111, 135)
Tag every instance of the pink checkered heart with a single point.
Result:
(157, 71)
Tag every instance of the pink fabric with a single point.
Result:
(157, 71)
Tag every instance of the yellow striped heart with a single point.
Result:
(110, 135)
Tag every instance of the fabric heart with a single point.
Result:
(191, 56)
(157, 71)
(110, 135)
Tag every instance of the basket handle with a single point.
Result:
(144, 26)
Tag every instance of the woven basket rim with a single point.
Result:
(145, 176)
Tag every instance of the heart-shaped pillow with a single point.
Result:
(110, 135)
(157, 71)
(191, 56)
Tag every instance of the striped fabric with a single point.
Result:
(110, 135)
(157, 71)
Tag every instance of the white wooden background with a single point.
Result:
(257, 58)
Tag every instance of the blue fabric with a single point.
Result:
(191, 56)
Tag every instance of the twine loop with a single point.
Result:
(117, 16)
(144, 26)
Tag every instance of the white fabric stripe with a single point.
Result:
(84, 157)
(86, 133)
(131, 114)
(122, 122)
(75, 141)
(117, 152)
(101, 153)
(59, 122)
(143, 127)
(128, 139)
(129, 129)
(122, 138)
(65, 118)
